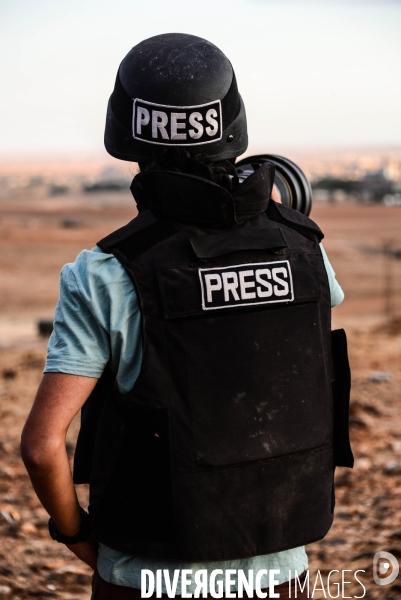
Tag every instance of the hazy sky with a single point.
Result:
(317, 73)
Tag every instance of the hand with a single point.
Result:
(86, 551)
(275, 195)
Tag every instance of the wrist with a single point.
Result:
(75, 535)
(69, 526)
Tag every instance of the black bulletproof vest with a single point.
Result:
(224, 446)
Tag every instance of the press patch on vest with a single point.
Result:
(242, 285)
(176, 125)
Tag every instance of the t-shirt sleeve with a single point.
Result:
(79, 344)
(336, 293)
(97, 321)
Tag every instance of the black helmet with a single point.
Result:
(175, 90)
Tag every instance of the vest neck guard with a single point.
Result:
(196, 200)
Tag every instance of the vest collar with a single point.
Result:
(196, 200)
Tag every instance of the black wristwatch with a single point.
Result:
(81, 536)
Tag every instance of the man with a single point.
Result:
(201, 333)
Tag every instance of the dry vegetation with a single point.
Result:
(36, 238)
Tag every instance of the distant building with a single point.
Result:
(374, 186)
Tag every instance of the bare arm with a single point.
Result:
(58, 399)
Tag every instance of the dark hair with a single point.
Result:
(180, 160)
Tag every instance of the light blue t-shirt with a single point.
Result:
(97, 319)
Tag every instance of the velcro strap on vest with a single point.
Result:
(209, 246)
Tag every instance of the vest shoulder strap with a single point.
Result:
(294, 219)
(138, 236)
(90, 417)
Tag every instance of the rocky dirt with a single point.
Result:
(36, 238)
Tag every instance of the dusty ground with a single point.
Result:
(39, 236)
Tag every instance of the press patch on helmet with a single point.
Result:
(176, 125)
(242, 285)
